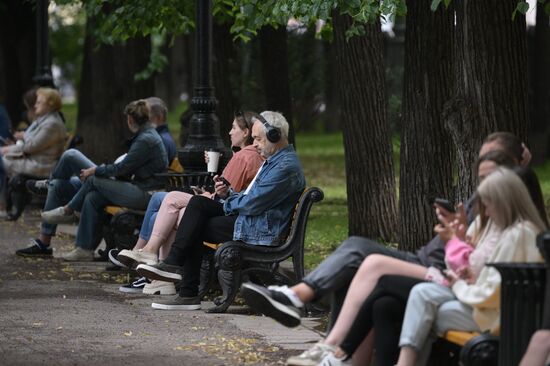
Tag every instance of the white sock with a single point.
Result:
(290, 294)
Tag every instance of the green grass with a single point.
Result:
(70, 112)
(322, 157)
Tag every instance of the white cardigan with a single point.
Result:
(516, 244)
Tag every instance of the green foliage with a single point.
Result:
(67, 25)
(157, 60)
(118, 20)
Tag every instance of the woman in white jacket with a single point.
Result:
(472, 303)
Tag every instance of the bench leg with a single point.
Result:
(480, 351)
(229, 282)
(207, 272)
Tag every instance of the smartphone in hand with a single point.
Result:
(446, 204)
(225, 181)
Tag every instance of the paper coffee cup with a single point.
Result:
(213, 160)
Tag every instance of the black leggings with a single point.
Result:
(383, 310)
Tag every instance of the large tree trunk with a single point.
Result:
(490, 71)
(17, 53)
(426, 148)
(367, 143)
(107, 85)
(539, 134)
(274, 62)
(224, 55)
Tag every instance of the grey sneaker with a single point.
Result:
(78, 255)
(58, 216)
(178, 303)
(312, 356)
(160, 271)
(132, 258)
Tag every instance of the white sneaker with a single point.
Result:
(312, 356)
(331, 360)
(131, 258)
(78, 255)
(58, 216)
(159, 288)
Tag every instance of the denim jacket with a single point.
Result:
(146, 157)
(265, 212)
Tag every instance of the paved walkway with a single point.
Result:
(58, 313)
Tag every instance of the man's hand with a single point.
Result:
(220, 188)
(85, 173)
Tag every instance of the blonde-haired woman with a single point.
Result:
(38, 148)
(472, 303)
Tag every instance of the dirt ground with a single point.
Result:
(57, 313)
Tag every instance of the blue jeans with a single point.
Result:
(64, 183)
(151, 215)
(91, 200)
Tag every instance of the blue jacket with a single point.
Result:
(168, 140)
(146, 157)
(265, 212)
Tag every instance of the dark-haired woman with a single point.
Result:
(145, 158)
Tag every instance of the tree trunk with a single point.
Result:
(224, 55)
(426, 148)
(274, 56)
(490, 71)
(367, 143)
(107, 86)
(331, 117)
(539, 134)
(18, 54)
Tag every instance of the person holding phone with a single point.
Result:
(166, 209)
(259, 216)
(360, 263)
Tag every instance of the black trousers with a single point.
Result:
(383, 310)
(203, 220)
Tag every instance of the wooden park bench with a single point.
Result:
(233, 261)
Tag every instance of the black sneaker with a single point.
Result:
(113, 258)
(160, 271)
(272, 303)
(135, 287)
(37, 187)
(36, 249)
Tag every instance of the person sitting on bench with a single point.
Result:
(165, 209)
(374, 259)
(146, 157)
(64, 183)
(470, 301)
(258, 216)
(36, 150)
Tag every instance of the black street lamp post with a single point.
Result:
(204, 127)
(43, 72)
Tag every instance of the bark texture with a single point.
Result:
(368, 150)
(426, 147)
(490, 71)
(107, 86)
(274, 63)
(17, 54)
